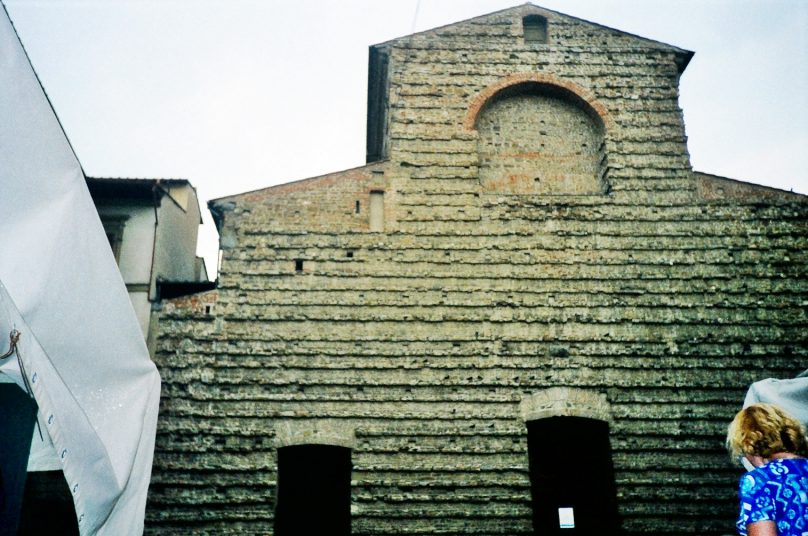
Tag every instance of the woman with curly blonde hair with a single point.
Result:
(774, 495)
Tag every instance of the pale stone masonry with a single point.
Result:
(528, 240)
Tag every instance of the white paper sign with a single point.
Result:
(566, 518)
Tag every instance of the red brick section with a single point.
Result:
(549, 79)
(326, 202)
(194, 302)
(360, 174)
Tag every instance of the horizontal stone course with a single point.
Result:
(655, 299)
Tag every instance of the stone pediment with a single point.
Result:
(563, 30)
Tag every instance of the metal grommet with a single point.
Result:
(50, 418)
(33, 378)
(64, 453)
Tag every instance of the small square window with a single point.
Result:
(535, 29)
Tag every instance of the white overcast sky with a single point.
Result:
(237, 95)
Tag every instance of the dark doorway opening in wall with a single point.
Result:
(572, 477)
(314, 491)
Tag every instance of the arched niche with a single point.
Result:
(539, 136)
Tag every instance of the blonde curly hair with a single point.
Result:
(764, 430)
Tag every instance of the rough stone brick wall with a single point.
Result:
(654, 301)
(534, 143)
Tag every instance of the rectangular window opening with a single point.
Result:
(535, 29)
(376, 211)
(298, 265)
(113, 227)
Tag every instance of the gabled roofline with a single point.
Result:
(234, 197)
(746, 186)
(220, 205)
(684, 56)
(136, 180)
(152, 189)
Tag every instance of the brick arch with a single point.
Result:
(548, 79)
(565, 402)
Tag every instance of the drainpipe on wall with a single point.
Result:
(150, 332)
(156, 204)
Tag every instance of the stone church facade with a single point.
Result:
(526, 285)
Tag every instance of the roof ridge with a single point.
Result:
(687, 53)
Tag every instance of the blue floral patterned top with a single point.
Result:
(777, 491)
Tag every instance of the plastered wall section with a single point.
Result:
(136, 254)
(425, 342)
(175, 254)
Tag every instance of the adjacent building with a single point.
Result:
(152, 227)
(525, 313)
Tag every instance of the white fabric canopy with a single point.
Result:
(81, 346)
(791, 395)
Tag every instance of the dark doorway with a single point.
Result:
(17, 420)
(572, 477)
(314, 491)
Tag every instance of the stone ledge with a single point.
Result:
(565, 402)
(314, 432)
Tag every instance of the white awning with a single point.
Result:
(791, 395)
(82, 349)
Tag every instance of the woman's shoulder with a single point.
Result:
(775, 470)
(794, 465)
(787, 463)
(782, 467)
